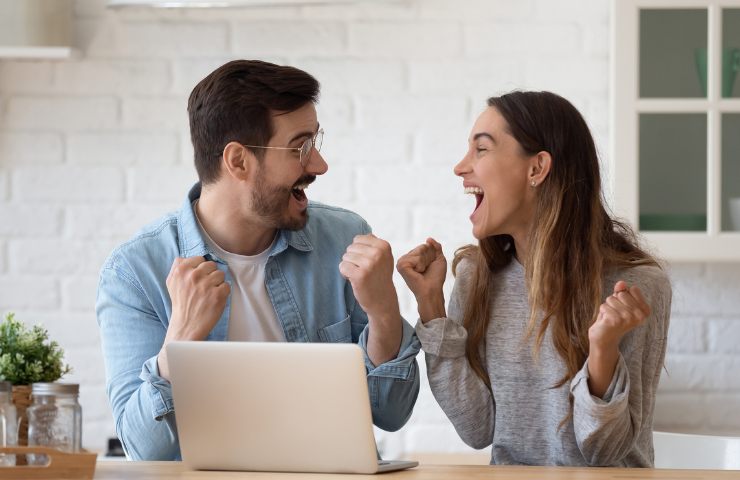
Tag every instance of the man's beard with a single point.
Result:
(271, 204)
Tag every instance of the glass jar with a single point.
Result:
(8, 423)
(54, 419)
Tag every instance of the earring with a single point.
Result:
(534, 184)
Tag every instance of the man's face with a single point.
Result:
(278, 193)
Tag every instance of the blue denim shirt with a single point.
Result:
(313, 303)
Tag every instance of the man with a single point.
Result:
(248, 258)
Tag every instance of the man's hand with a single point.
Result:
(368, 265)
(198, 292)
(424, 270)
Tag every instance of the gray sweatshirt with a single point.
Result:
(521, 413)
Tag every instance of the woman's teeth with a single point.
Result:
(474, 190)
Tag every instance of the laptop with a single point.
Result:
(277, 407)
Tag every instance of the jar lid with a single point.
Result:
(6, 387)
(55, 389)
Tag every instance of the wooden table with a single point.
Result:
(176, 470)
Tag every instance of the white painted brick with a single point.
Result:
(156, 113)
(78, 293)
(95, 406)
(4, 184)
(121, 148)
(62, 113)
(188, 72)
(92, 77)
(687, 335)
(72, 330)
(110, 221)
(441, 147)
(474, 77)
(167, 185)
(97, 36)
(700, 373)
(389, 223)
(508, 39)
(726, 278)
(475, 10)
(315, 39)
(450, 226)
(336, 187)
(24, 291)
(723, 412)
(20, 148)
(381, 148)
(342, 76)
(405, 40)
(59, 256)
(724, 336)
(596, 39)
(29, 221)
(695, 295)
(25, 76)
(86, 360)
(410, 113)
(3, 261)
(586, 11)
(336, 114)
(169, 39)
(406, 184)
(567, 75)
(362, 11)
(69, 183)
(679, 411)
(435, 438)
(253, 13)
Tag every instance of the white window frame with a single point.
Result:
(712, 245)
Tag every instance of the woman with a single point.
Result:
(556, 332)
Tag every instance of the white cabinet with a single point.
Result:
(675, 163)
(36, 28)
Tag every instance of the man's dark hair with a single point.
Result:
(236, 103)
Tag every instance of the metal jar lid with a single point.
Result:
(55, 389)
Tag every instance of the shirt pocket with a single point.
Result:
(340, 332)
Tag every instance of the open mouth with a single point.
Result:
(298, 192)
(478, 192)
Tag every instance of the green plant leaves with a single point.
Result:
(27, 355)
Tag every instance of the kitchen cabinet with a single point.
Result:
(675, 102)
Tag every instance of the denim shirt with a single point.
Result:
(313, 303)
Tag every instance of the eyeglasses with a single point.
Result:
(304, 151)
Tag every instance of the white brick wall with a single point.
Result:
(93, 148)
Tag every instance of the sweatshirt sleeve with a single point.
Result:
(463, 396)
(607, 428)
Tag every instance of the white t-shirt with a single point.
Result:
(252, 317)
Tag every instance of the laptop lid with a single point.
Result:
(291, 407)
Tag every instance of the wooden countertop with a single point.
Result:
(115, 470)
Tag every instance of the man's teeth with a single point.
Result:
(474, 190)
(302, 186)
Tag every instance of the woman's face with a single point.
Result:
(496, 170)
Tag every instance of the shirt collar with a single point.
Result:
(193, 244)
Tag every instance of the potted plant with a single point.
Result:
(27, 356)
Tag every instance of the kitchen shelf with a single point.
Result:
(52, 53)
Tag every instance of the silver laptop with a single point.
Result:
(278, 407)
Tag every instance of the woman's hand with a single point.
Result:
(624, 310)
(424, 270)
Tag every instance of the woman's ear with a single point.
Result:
(539, 168)
(237, 160)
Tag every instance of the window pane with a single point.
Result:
(731, 172)
(673, 53)
(673, 172)
(730, 52)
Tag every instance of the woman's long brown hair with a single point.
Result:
(573, 240)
